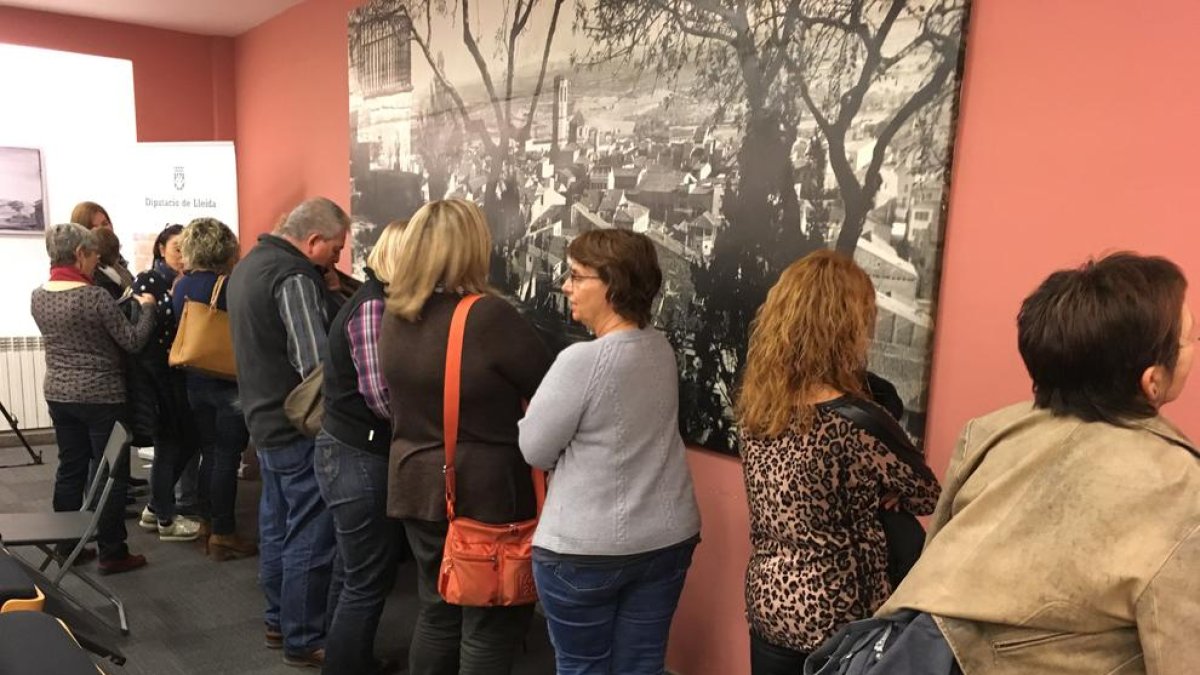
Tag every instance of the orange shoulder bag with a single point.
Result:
(483, 565)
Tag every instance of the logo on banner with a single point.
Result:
(179, 178)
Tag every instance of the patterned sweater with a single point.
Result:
(819, 557)
(85, 334)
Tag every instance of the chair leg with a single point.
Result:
(64, 566)
(108, 595)
(50, 557)
(122, 625)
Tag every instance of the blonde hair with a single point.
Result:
(382, 259)
(812, 331)
(446, 242)
(208, 244)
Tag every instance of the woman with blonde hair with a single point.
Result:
(444, 255)
(351, 464)
(209, 250)
(815, 480)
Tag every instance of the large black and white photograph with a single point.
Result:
(22, 191)
(738, 135)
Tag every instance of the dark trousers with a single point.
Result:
(354, 485)
(611, 617)
(175, 442)
(453, 640)
(217, 413)
(770, 659)
(81, 431)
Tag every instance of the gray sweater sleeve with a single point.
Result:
(556, 409)
(129, 336)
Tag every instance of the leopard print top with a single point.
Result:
(819, 558)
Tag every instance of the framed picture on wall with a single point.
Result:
(22, 191)
(737, 137)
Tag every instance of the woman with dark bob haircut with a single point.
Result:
(615, 539)
(1067, 539)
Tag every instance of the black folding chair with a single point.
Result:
(33, 643)
(46, 531)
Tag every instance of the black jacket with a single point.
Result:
(348, 418)
(157, 393)
(260, 343)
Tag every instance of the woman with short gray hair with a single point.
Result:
(86, 336)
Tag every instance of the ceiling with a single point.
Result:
(206, 17)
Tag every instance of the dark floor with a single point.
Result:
(190, 615)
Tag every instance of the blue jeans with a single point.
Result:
(223, 436)
(611, 618)
(354, 485)
(296, 546)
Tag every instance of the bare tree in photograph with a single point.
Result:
(840, 54)
(438, 139)
(775, 62)
(737, 51)
(507, 124)
(737, 135)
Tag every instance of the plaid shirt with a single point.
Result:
(363, 332)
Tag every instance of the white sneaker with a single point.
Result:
(148, 521)
(180, 529)
(146, 454)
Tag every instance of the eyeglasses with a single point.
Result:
(575, 277)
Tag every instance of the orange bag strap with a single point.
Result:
(212, 301)
(451, 396)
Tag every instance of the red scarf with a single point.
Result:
(68, 273)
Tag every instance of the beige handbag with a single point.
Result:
(305, 405)
(203, 342)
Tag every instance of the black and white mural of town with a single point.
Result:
(738, 135)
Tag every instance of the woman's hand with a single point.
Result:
(146, 299)
(890, 502)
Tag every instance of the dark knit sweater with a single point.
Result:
(503, 363)
(86, 335)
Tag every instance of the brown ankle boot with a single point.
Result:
(224, 547)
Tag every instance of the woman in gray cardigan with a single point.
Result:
(620, 522)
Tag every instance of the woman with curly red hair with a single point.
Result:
(815, 480)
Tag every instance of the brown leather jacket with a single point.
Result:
(1073, 548)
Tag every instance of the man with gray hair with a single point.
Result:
(279, 315)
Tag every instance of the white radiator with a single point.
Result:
(22, 370)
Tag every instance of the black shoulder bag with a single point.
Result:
(904, 534)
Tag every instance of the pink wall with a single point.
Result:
(1077, 136)
(183, 83)
(293, 113)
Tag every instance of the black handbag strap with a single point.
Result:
(875, 421)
